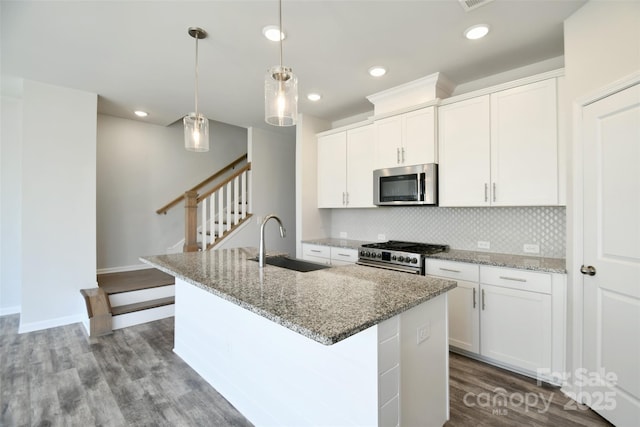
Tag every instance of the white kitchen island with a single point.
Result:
(342, 346)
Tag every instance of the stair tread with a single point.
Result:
(130, 308)
(127, 281)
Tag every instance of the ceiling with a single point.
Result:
(138, 55)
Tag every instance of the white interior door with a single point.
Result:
(611, 353)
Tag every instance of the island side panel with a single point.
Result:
(424, 362)
(272, 375)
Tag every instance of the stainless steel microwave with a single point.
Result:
(407, 185)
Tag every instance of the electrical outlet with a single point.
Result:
(483, 245)
(423, 333)
(531, 248)
(343, 234)
(382, 237)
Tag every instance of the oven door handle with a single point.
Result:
(389, 267)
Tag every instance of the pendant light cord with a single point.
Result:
(281, 33)
(196, 83)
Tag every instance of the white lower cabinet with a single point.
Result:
(514, 318)
(329, 255)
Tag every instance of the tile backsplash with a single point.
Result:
(506, 229)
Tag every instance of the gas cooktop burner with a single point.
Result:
(398, 255)
(417, 248)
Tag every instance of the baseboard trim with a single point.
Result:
(5, 311)
(123, 268)
(51, 323)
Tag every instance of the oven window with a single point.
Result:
(399, 188)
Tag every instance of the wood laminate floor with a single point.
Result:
(58, 377)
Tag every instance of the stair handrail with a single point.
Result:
(223, 183)
(177, 200)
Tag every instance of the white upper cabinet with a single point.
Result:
(332, 170)
(407, 139)
(465, 153)
(524, 145)
(500, 149)
(346, 161)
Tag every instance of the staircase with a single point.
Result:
(129, 298)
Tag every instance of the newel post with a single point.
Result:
(190, 221)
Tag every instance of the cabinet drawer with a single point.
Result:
(316, 250)
(346, 255)
(516, 279)
(452, 270)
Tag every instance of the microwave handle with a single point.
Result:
(422, 187)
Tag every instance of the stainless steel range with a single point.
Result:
(397, 255)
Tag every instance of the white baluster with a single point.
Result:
(220, 211)
(243, 194)
(229, 206)
(236, 200)
(212, 214)
(203, 228)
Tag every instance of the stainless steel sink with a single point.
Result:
(293, 263)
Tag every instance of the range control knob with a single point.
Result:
(361, 253)
(368, 253)
(401, 258)
(379, 254)
(393, 258)
(414, 260)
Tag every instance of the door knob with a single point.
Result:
(590, 270)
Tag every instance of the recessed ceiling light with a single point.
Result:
(476, 32)
(273, 33)
(141, 113)
(377, 71)
(314, 97)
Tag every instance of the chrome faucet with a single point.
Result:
(261, 250)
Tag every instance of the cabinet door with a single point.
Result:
(332, 170)
(515, 327)
(361, 158)
(464, 317)
(419, 137)
(389, 141)
(464, 153)
(524, 145)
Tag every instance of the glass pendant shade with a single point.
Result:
(196, 132)
(280, 96)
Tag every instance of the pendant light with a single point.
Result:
(280, 91)
(196, 126)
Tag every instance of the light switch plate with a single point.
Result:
(382, 237)
(483, 245)
(531, 248)
(423, 332)
(343, 234)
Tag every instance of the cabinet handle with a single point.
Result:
(343, 198)
(316, 251)
(347, 199)
(402, 154)
(474, 297)
(486, 192)
(494, 191)
(398, 155)
(515, 279)
(483, 301)
(347, 255)
(449, 269)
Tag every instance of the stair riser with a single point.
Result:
(138, 317)
(142, 295)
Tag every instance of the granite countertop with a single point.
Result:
(337, 243)
(326, 305)
(548, 265)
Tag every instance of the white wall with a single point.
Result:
(140, 168)
(602, 45)
(10, 205)
(311, 222)
(272, 156)
(58, 204)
